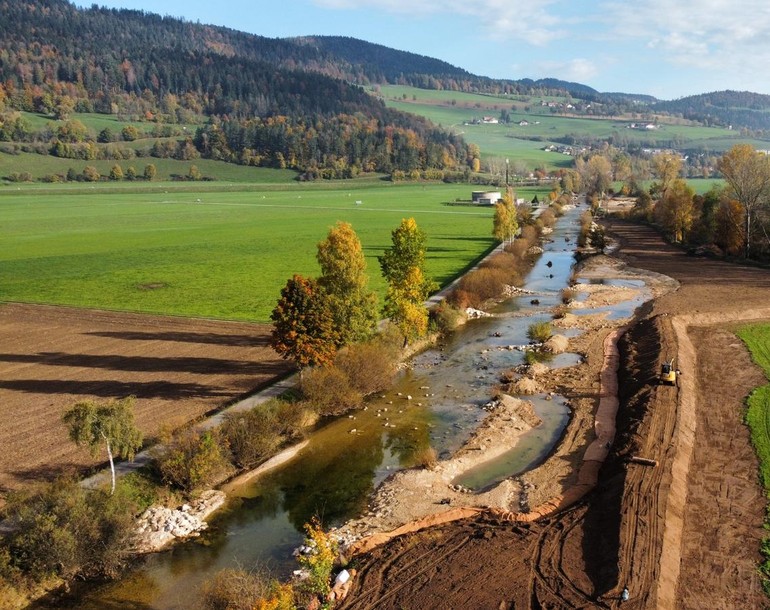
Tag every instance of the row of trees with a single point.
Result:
(734, 217)
(315, 317)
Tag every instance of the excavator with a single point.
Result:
(668, 374)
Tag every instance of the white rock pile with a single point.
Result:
(159, 526)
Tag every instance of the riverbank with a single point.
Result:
(413, 499)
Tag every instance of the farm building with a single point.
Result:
(486, 197)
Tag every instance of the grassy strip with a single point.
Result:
(757, 339)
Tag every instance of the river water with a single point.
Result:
(436, 403)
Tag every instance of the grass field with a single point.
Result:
(43, 165)
(757, 339)
(453, 109)
(213, 253)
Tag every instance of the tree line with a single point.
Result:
(729, 220)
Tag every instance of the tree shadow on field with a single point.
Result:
(46, 472)
(117, 389)
(233, 340)
(145, 364)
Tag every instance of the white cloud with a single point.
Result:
(533, 22)
(577, 69)
(726, 35)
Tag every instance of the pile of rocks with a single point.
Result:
(159, 526)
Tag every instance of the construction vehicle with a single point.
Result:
(668, 374)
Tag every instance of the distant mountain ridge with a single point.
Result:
(107, 58)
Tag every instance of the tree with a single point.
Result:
(408, 288)
(64, 106)
(344, 278)
(505, 222)
(194, 173)
(116, 172)
(729, 226)
(675, 212)
(150, 171)
(129, 133)
(90, 174)
(595, 174)
(112, 423)
(747, 173)
(667, 167)
(303, 325)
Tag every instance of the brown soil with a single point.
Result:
(682, 534)
(178, 369)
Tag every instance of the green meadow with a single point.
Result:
(219, 252)
(453, 109)
(757, 339)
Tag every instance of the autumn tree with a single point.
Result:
(666, 166)
(303, 324)
(747, 173)
(729, 226)
(675, 212)
(595, 174)
(344, 278)
(150, 171)
(403, 268)
(505, 222)
(116, 172)
(112, 424)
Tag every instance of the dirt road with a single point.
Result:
(657, 530)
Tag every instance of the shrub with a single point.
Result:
(459, 298)
(539, 332)
(568, 295)
(426, 457)
(236, 589)
(193, 460)
(446, 317)
(252, 435)
(547, 217)
(329, 392)
(319, 561)
(483, 284)
(518, 248)
(61, 529)
(370, 366)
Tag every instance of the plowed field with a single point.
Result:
(178, 369)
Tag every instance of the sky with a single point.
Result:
(665, 48)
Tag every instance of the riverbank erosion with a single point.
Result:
(652, 528)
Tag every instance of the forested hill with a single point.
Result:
(369, 62)
(269, 101)
(737, 108)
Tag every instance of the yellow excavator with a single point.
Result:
(668, 374)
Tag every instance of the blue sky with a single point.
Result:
(665, 48)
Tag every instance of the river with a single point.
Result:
(347, 458)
